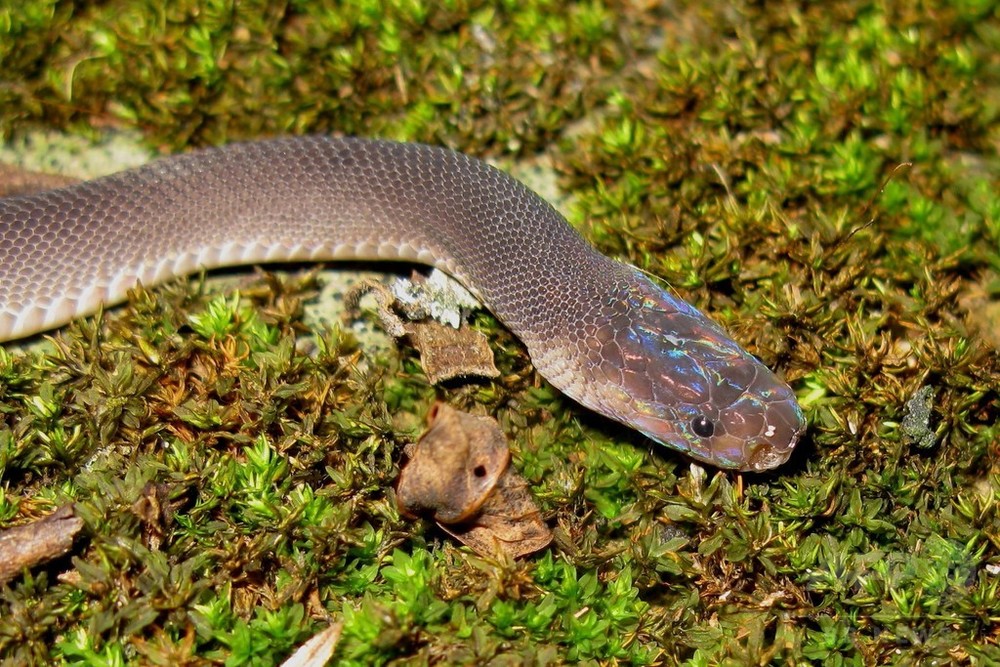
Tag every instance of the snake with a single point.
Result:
(598, 329)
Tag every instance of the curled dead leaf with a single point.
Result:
(459, 475)
(454, 466)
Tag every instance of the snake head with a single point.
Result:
(665, 369)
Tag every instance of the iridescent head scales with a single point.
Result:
(676, 376)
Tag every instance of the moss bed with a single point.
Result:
(820, 177)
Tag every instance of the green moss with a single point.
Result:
(821, 178)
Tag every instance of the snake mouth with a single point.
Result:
(764, 455)
(754, 455)
(768, 446)
(748, 455)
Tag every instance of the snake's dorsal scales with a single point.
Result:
(596, 328)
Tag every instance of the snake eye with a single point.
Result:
(702, 426)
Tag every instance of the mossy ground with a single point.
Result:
(821, 177)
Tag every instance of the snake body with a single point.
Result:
(597, 329)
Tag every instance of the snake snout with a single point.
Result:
(768, 421)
